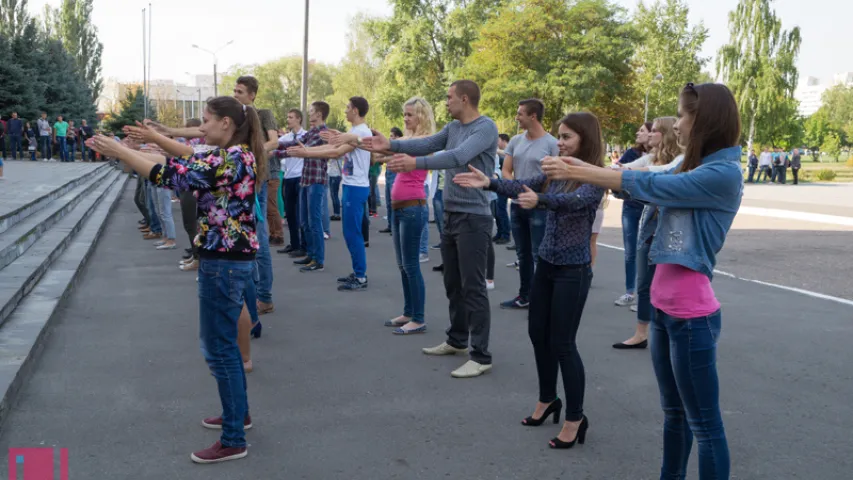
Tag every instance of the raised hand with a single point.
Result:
(329, 135)
(401, 162)
(555, 168)
(528, 199)
(473, 179)
(376, 143)
(106, 146)
(297, 151)
(156, 126)
(141, 133)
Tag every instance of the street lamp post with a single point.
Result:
(215, 79)
(304, 93)
(657, 78)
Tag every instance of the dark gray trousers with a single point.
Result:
(188, 213)
(139, 199)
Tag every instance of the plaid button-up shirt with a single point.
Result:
(313, 169)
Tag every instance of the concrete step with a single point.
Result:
(21, 275)
(18, 239)
(24, 204)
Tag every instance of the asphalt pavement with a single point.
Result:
(334, 395)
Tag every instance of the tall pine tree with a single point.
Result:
(129, 111)
(80, 38)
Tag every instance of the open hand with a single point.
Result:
(141, 133)
(528, 199)
(556, 168)
(401, 162)
(376, 143)
(297, 151)
(473, 179)
(106, 146)
(329, 134)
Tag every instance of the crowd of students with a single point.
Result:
(62, 138)
(687, 185)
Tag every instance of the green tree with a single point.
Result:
(13, 17)
(758, 64)
(280, 83)
(838, 108)
(670, 47)
(360, 74)
(816, 128)
(80, 38)
(129, 110)
(831, 145)
(572, 55)
(423, 44)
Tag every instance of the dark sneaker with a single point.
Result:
(353, 285)
(312, 267)
(304, 261)
(516, 303)
(298, 253)
(438, 268)
(218, 453)
(215, 423)
(286, 249)
(385, 230)
(502, 241)
(347, 279)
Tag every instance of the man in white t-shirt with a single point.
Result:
(356, 187)
(291, 167)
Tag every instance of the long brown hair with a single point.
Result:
(716, 121)
(591, 149)
(668, 148)
(248, 130)
(644, 148)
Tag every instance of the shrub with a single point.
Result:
(849, 162)
(826, 175)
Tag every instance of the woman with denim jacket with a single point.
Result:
(562, 276)
(225, 181)
(665, 155)
(697, 205)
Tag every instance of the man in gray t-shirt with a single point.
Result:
(523, 160)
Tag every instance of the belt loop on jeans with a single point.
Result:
(407, 203)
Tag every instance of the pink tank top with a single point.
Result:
(409, 186)
(682, 293)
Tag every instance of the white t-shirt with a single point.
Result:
(357, 162)
(292, 166)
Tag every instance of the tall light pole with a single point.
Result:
(657, 78)
(304, 95)
(213, 53)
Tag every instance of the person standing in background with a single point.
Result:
(292, 168)
(32, 141)
(72, 141)
(60, 132)
(15, 129)
(86, 132)
(501, 213)
(752, 165)
(796, 164)
(389, 184)
(44, 137)
(765, 165)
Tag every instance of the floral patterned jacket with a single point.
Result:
(223, 180)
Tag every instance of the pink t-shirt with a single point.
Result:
(409, 186)
(682, 293)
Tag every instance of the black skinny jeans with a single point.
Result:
(190, 221)
(139, 199)
(556, 304)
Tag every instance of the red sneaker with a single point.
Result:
(215, 423)
(217, 453)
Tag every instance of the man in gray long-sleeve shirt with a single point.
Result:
(470, 139)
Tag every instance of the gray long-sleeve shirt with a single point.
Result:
(474, 143)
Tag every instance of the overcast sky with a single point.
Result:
(274, 28)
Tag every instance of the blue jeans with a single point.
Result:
(335, 188)
(684, 355)
(83, 151)
(15, 145)
(44, 142)
(389, 184)
(354, 202)
(327, 224)
(528, 228)
(645, 274)
(631, 213)
(438, 211)
(424, 246)
(406, 234)
(153, 209)
(311, 206)
(222, 287)
(263, 258)
(63, 148)
(502, 218)
(71, 150)
(164, 197)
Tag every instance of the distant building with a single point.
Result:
(810, 92)
(188, 99)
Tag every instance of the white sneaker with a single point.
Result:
(443, 349)
(325, 236)
(424, 258)
(634, 308)
(490, 284)
(625, 300)
(470, 369)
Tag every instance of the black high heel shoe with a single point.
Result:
(257, 329)
(579, 438)
(556, 407)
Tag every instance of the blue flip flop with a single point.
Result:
(400, 331)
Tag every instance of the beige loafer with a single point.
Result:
(470, 369)
(443, 349)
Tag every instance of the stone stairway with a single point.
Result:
(51, 216)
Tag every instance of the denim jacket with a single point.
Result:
(695, 209)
